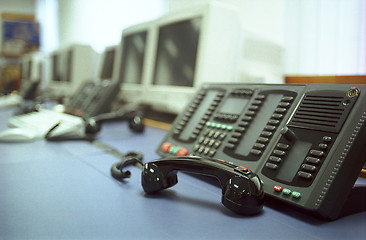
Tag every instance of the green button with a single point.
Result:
(213, 125)
(173, 149)
(286, 191)
(296, 195)
(208, 124)
(229, 128)
(218, 125)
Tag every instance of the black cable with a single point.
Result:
(130, 158)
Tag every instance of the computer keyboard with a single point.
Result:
(42, 121)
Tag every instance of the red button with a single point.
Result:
(245, 168)
(182, 152)
(166, 146)
(277, 188)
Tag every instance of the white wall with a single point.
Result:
(47, 15)
(326, 37)
(18, 7)
(99, 23)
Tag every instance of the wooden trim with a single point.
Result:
(363, 173)
(157, 124)
(16, 16)
(351, 79)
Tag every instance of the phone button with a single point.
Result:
(275, 159)
(304, 175)
(309, 168)
(271, 166)
(316, 153)
(313, 160)
(255, 152)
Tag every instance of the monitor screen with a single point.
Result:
(69, 65)
(56, 67)
(108, 61)
(29, 69)
(133, 52)
(176, 53)
(26, 68)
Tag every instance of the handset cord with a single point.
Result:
(130, 158)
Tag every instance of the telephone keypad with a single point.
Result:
(212, 139)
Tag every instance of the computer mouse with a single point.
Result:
(17, 135)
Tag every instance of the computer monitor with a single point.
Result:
(30, 67)
(184, 49)
(69, 68)
(131, 62)
(32, 75)
(107, 63)
(192, 46)
(25, 68)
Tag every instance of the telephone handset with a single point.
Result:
(305, 142)
(242, 190)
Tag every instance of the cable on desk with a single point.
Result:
(128, 159)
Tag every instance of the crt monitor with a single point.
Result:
(26, 68)
(204, 43)
(69, 68)
(191, 46)
(131, 63)
(57, 68)
(32, 74)
(30, 67)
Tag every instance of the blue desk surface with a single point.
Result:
(64, 191)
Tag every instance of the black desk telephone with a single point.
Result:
(307, 143)
(93, 99)
(93, 102)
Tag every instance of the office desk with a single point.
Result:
(64, 190)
